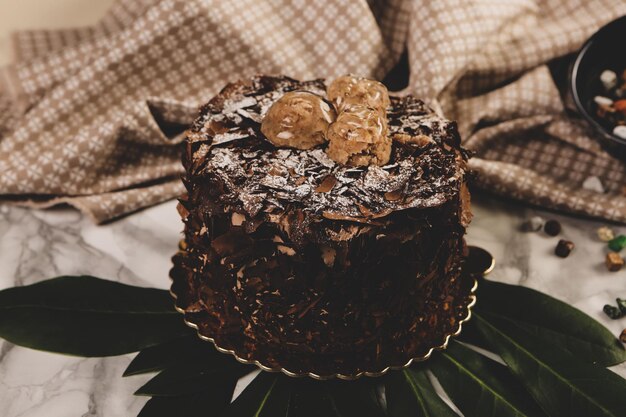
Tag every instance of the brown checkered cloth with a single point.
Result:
(93, 116)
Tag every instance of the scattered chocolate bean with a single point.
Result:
(534, 224)
(620, 131)
(552, 227)
(618, 243)
(620, 106)
(622, 337)
(610, 107)
(608, 79)
(564, 248)
(603, 101)
(613, 312)
(614, 262)
(616, 312)
(605, 234)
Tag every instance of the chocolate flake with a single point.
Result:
(327, 184)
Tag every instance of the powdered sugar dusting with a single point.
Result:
(263, 177)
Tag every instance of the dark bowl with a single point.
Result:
(606, 49)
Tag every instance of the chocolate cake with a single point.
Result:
(295, 261)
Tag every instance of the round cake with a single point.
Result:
(323, 226)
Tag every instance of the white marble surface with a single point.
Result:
(35, 245)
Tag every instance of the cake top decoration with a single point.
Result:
(299, 119)
(356, 128)
(359, 137)
(425, 165)
(349, 90)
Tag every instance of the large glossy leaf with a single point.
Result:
(313, 399)
(191, 377)
(541, 339)
(410, 393)
(267, 395)
(562, 384)
(188, 349)
(553, 321)
(209, 402)
(481, 387)
(360, 398)
(87, 316)
(271, 395)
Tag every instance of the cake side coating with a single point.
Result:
(303, 263)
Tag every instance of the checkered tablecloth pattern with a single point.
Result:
(93, 116)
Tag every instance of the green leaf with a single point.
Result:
(193, 377)
(271, 395)
(562, 384)
(479, 386)
(188, 349)
(313, 399)
(87, 316)
(471, 335)
(267, 396)
(278, 401)
(410, 393)
(553, 321)
(360, 398)
(211, 401)
(87, 293)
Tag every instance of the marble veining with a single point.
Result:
(35, 245)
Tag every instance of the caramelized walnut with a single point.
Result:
(359, 137)
(298, 119)
(349, 90)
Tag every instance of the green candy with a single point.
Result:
(618, 243)
(612, 311)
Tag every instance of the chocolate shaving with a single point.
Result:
(327, 184)
(393, 195)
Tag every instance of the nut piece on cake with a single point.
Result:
(349, 90)
(299, 119)
(359, 137)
